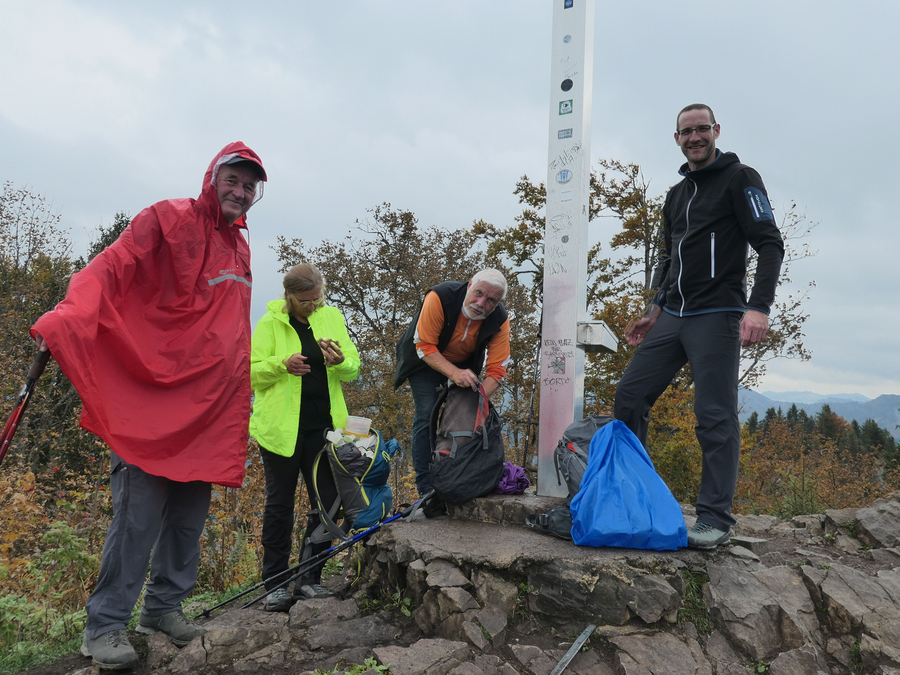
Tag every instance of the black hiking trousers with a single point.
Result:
(282, 474)
(711, 344)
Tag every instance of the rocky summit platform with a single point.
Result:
(478, 593)
(816, 594)
(495, 554)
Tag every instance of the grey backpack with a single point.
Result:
(571, 453)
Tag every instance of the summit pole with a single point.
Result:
(566, 234)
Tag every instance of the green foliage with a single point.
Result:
(693, 607)
(49, 611)
(396, 601)
(856, 663)
(520, 608)
(368, 664)
(230, 548)
(333, 567)
(27, 655)
(35, 265)
(64, 567)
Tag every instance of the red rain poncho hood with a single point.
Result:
(155, 335)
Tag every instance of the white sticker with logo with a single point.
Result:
(564, 176)
(565, 107)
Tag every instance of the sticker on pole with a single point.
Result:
(565, 107)
(567, 39)
(564, 133)
(557, 365)
(564, 176)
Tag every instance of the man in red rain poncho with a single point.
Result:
(155, 335)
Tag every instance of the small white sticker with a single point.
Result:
(564, 176)
(565, 196)
(564, 133)
(565, 107)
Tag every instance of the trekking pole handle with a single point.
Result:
(412, 507)
(38, 365)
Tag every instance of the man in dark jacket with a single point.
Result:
(701, 314)
(459, 327)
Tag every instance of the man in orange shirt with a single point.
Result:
(460, 329)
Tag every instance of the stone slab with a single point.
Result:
(503, 509)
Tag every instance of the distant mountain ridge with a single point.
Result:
(810, 397)
(884, 409)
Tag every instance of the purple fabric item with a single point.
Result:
(513, 481)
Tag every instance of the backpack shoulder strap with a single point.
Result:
(327, 514)
(443, 391)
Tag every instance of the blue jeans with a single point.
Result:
(424, 384)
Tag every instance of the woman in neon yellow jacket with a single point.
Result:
(300, 354)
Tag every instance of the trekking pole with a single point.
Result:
(12, 424)
(304, 567)
(344, 545)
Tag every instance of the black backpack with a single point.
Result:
(571, 453)
(467, 454)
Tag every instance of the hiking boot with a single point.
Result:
(110, 651)
(706, 537)
(278, 601)
(311, 591)
(174, 624)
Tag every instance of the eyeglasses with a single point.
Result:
(701, 130)
(318, 302)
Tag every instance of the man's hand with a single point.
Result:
(465, 378)
(753, 327)
(296, 364)
(638, 328)
(332, 351)
(41, 343)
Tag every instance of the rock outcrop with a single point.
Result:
(477, 593)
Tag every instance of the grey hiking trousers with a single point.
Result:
(711, 343)
(150, 513)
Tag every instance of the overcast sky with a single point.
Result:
(439, 106)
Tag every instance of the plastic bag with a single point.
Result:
(622, 501)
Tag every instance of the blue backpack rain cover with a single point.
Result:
(622, 501)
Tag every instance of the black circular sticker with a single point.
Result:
(566, 84)
(565, 239)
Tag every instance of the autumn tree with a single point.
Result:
(103, 237)
(790, 468)
(35, 265)
(621, 283)
(377, 276)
